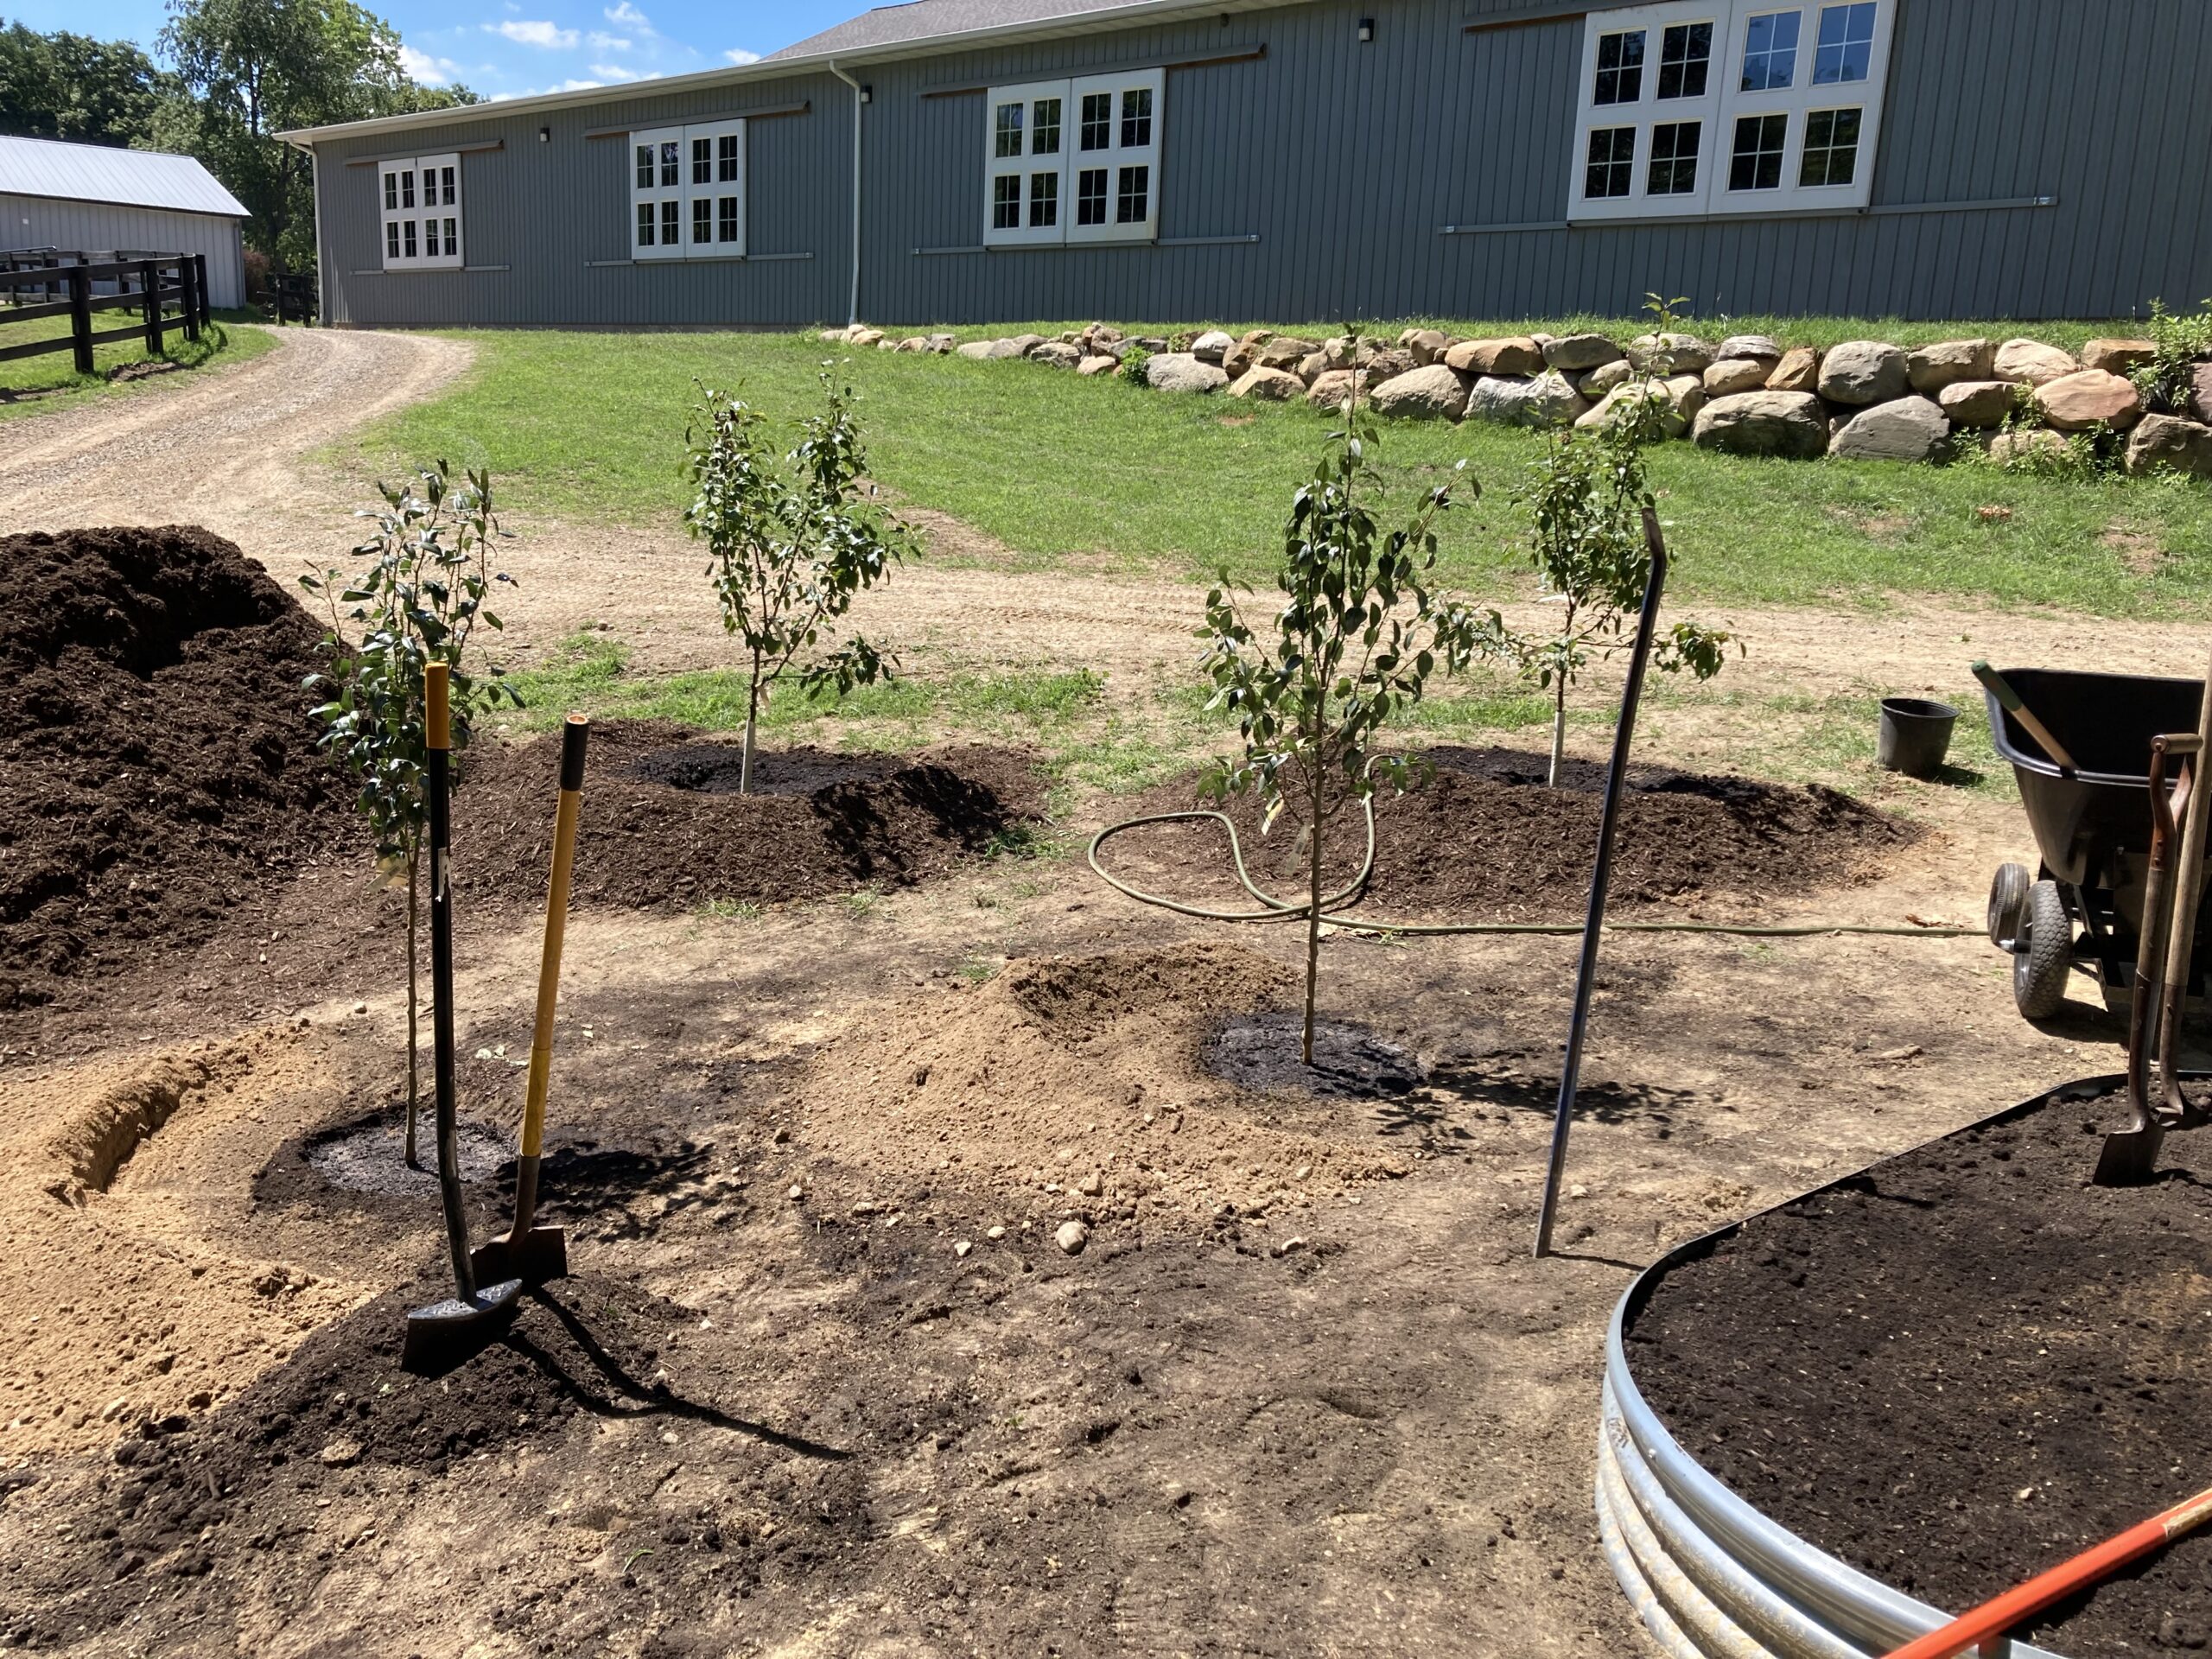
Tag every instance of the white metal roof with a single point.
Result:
(129, 178)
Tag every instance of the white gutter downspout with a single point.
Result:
(854, 304)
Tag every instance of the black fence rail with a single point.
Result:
(164, 290)
(293, 293)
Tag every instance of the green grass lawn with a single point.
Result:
(33, 384)
(589, 426)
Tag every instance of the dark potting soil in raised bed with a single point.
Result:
(157, 761)
(661, 827)
(1962, 1367)
(1479, 835)
(1264, 1051)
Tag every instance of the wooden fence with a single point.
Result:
(40, 282)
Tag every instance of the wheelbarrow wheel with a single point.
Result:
(2043, 952)
(2008, 903)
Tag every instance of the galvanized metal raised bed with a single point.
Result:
(1710, 1576)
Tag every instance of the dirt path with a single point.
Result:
(223, 451)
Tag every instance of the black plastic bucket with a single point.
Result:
(1916, 735)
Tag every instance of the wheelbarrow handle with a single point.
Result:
(2009, 701)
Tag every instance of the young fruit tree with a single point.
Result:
(792, 541)
(417, 602)
(1352, 644)
(1586, 497)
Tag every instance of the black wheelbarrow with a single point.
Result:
(2083, 907)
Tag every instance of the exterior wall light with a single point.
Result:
(1366, 30)
(545, 135)
(868, 92)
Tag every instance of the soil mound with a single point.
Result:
(1086, 1079)
(1478, 836)
(1962, 1366)
(158, 763)
(662, 828)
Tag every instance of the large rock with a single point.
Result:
(1436, 391)
(1181, 371)
(1312, 366)
(1240, 357)
(1426, 344)
(1057, 355)
(1102, 363)
(1686, 354)
(2030, 362)
(1515, 355)
(1546, 400)
(1799, 371)
(939, 344)
(1733, 375)
(1904, 428)
(1283, 352)
(1572, 353)
(1339, 349)
(1762, 348)
(2075, 402)
(1268, 385)
(1685, 395)
(2118, 356)
(2167, 443)
(1603, 378)
(1792, 424)
(1000, 351)
(978, 349)
(1209, 346)
(1946, 362)
(1977, 402)
(1861, 372)
(2029, 443)
(2200, 391)
(1331, 386)
(1385, 362)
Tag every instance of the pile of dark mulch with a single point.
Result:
(663, 827)
(1479, 836)
(1964, 1366)
(1266, 1051)
(158, 763)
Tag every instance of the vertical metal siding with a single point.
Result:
(44, 221)
(1344, 160)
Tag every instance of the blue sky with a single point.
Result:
(509, 47)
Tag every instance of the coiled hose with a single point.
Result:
(1336, 906)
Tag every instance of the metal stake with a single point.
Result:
(1600, 879)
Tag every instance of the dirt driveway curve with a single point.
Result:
(223, 449)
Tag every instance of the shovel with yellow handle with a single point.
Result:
(529, 1252)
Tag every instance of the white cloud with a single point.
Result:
(535, 32)
(739, 54)
(422, 68)
(602, 41)
(616, 71)
(628, 16)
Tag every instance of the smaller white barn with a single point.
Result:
(96, 199)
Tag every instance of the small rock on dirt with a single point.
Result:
(340, 1454)
(1071, 1237)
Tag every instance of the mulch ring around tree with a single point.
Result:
(1478, 836)
(158, 764)
(663, 827)
(1962, 1367)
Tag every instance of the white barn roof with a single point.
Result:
(129, 178)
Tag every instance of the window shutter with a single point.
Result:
(713, 213)
(659, 169)
(1027, 131)
(1114, 162)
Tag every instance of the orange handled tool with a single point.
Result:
(1989, 1622)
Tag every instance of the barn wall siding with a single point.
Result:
(1344, 161)
(44, 222)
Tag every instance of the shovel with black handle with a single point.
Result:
(445, 1332)
(531, 1253)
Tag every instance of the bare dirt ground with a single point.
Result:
(1303, 1391)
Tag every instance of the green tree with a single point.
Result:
(74, 87)
(1352, 645)
(253, 68)
(417, 602)
(791, 543)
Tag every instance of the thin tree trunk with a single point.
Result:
(1312, 915)
(1559, 727)
(413, 1059)
(752, 724)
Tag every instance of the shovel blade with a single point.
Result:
(536, 1256)
(442, 1335)
(2129, 1157)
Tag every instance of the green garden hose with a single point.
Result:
(1335, 906)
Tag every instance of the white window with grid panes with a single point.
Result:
(419, 210)
(1729, 106)
(687, 192)
(1074, 160)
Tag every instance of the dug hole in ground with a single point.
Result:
(826, 1379)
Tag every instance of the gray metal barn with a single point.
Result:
(968, 161)
(91, 197)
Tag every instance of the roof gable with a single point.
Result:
(126, 178)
